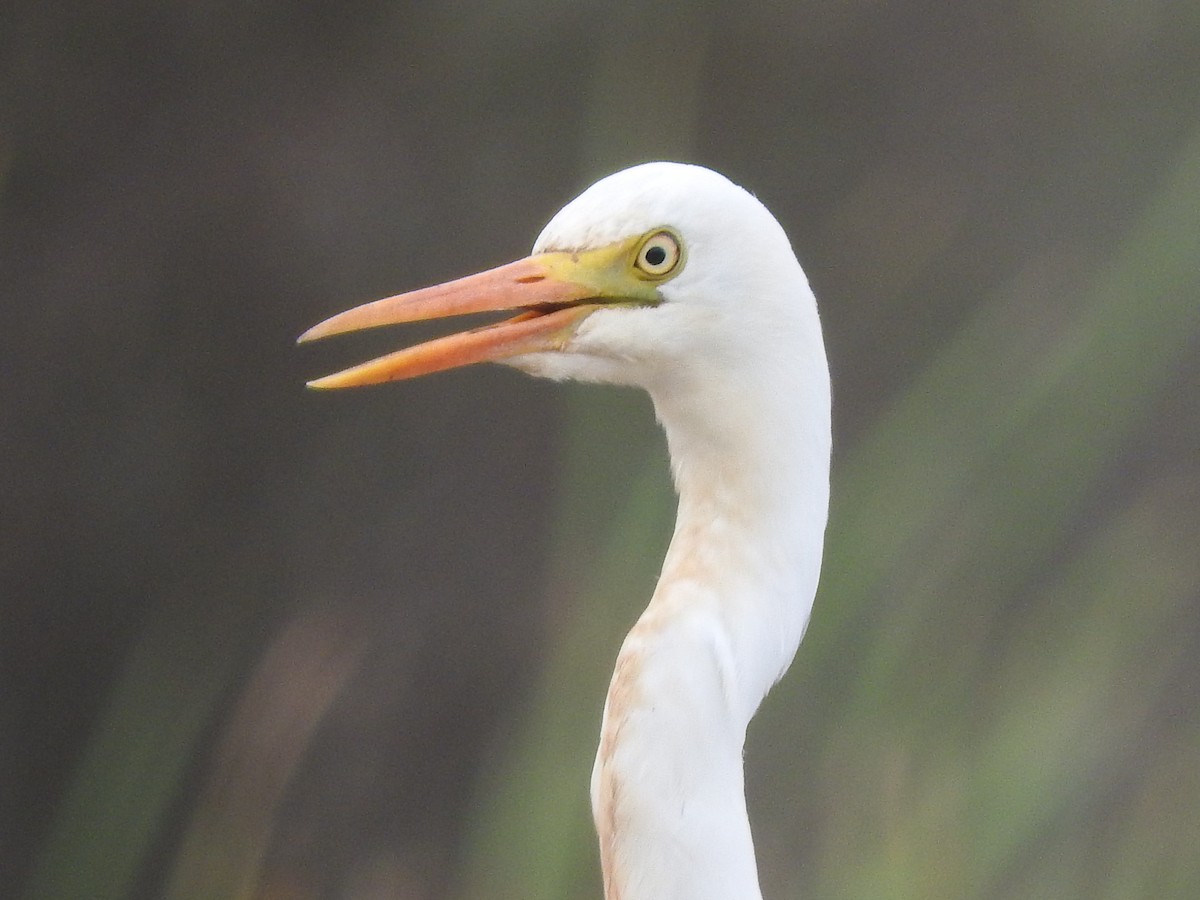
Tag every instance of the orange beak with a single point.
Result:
(551, 309)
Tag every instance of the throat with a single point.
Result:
(723, 625)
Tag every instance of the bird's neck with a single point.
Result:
(723, 625)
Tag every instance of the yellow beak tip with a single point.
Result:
(311, 335)
(329, 382)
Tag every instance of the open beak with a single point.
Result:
(551, 305)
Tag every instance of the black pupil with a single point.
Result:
(656, 256)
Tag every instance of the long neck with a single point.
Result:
(752, 470)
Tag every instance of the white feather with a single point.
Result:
(734, 362)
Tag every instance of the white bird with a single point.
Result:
(672, 278)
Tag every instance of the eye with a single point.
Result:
(659, 254)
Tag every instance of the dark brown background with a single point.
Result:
(262, 643)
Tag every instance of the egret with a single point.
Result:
(672, 278)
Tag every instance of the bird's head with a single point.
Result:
(649, 272)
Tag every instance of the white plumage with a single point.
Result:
(726, 340)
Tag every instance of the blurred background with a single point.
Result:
(261, 643)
